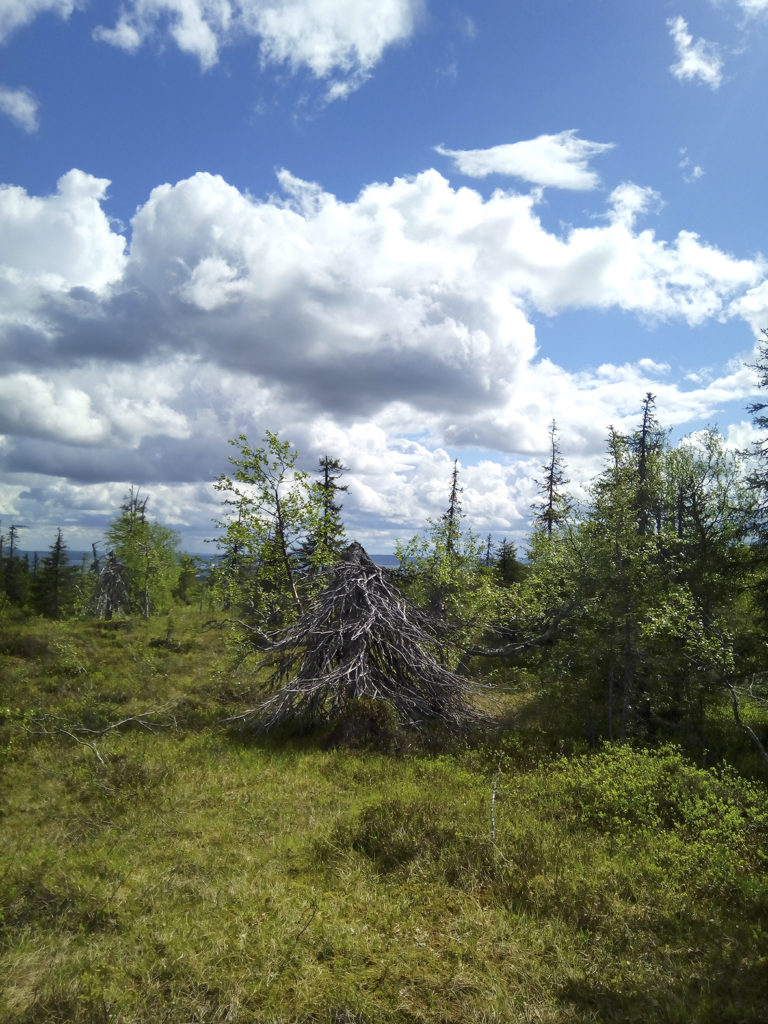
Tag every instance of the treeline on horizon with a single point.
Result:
(644, 610)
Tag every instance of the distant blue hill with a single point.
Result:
(78, 557)
(385, 560)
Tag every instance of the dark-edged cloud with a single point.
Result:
(380, 330)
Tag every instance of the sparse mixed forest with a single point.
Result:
(487, 785)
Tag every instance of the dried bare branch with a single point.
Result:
(744, 726)
(54, 725)
(361, 639)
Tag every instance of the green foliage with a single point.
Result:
(272, 507)
(189, 588)
(505, 561)
(283, 881)
(453, 584)
(651, 585)
(53, 591)
(758, 465)
(636, 795)
(147, 554)
(552, 509)
(445, 571)
(15, 571)
(325, 541)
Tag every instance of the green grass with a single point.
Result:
(199, 876)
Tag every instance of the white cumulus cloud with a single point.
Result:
(337, 40)
(383, 330)
(753, 6)
(54, 243)
(17, 13)
(691, 172)
(196, 26)
(330, 35)
(35, 407)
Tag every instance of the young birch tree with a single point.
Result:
(272, 509)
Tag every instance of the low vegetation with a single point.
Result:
(176, 869)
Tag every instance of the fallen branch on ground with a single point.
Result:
(54, 725)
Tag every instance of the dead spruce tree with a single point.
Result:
(111, 593)
(361, 641)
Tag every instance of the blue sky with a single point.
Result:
(397, 232)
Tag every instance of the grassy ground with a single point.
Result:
(192, 875)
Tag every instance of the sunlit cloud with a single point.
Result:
(388, 330)
(697, 61)
(338, 41)
(558, 161)
(14, 14)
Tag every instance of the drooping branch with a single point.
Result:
(546, 634)
(744, 726)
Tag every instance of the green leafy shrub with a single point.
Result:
(626, 791)
(705, 827)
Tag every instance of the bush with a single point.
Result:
(707, 828)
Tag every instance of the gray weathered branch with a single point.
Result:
(361, 639)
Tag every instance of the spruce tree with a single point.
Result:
(147, 552)
(758, 453)
(453, 515)
(16, 574)
(650, 580)
(647, 443)
(323, 545)
(506, 562)
(443, 570)
(331, 534)
(554, 505)
(54, 582)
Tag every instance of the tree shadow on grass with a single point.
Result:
(731, 994)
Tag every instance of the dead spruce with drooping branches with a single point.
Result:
(111, 593)
(362, 640)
